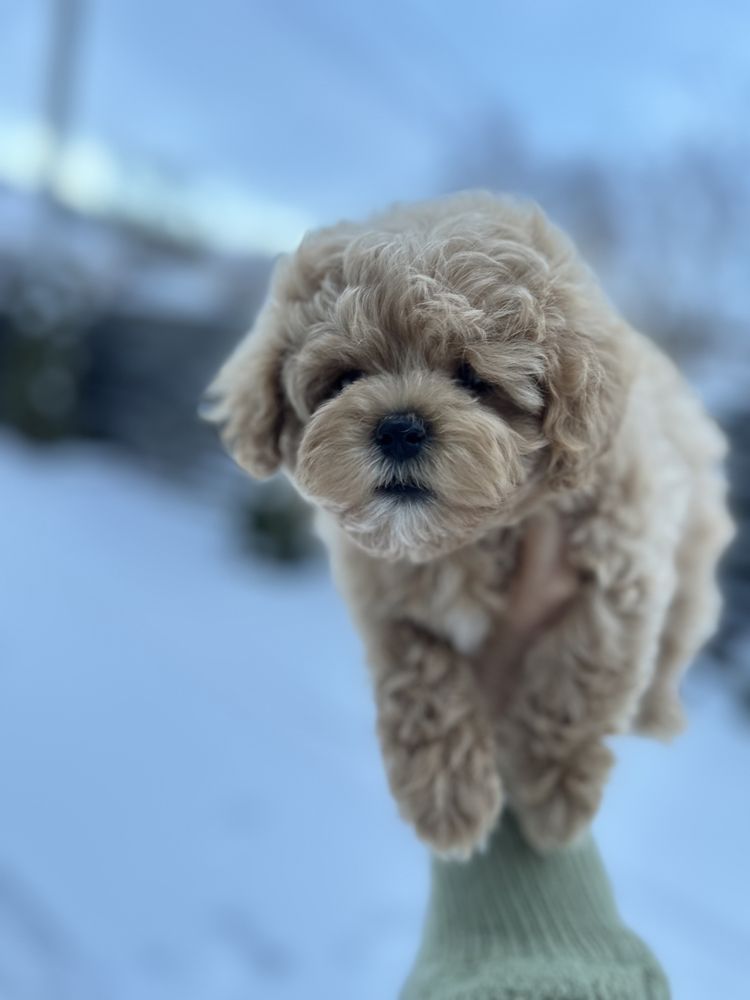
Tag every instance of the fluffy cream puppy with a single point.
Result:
(521, 497)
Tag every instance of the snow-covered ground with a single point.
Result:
(191, 801)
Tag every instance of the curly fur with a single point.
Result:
(560, 574)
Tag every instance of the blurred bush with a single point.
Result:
(274, 523)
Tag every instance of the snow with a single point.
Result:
(193, 804)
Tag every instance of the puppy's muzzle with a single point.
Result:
(401, 436)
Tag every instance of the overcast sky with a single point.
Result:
(331, 108)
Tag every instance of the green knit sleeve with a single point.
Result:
(513, 925)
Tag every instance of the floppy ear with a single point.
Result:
(247, 396)
(586, 389)
(247, 399)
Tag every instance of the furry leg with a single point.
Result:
(580, 682)
(436, 741)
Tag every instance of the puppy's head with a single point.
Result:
(427, 376)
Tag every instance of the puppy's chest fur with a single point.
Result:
(506, 585)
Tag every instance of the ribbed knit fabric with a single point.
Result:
(512, 925)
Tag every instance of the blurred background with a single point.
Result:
(191, 800)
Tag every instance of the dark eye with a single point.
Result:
(342, 381)
(491, 395)
(468, 378)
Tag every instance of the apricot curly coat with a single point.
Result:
(539, 575)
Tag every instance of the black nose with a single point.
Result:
(401, 436)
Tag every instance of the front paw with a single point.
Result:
(437, 744)
(557, 799)
(447, 786)
(451, 793)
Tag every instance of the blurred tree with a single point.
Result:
(578, 193)
(43, 356)
(490, 154)
(732, 644)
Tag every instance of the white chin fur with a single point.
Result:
(399, 529)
